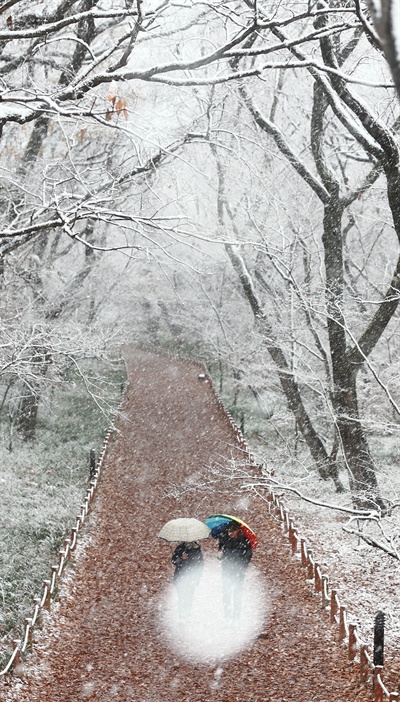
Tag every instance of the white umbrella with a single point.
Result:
(184, 529)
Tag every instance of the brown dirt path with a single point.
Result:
(106, 643)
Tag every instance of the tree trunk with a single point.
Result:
(352, 436)
(27, 414)
(355, 447)
(327, 468)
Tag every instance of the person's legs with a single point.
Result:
(187, 594)
(227, 596)
(228, 585)
(183, 600)
(237, 594)
(186, 585)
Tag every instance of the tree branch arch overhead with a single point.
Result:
(87, 121)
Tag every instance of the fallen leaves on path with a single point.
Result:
(107, 638)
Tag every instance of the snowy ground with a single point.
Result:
(367, 578)
(111, 639)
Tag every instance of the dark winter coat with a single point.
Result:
(235, 552)
(194, 557)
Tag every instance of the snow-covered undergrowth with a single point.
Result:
(42, 485)
(366, 576)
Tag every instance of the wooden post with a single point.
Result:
(47, 602)
(325, 591)
(317, 577)
(73, 538)
(310, 567)
(295, 541)
(87, 505)
(342, 622)
(61, 561)
(18, 659)
(292, 537)
(303, 548)
(36, 602)
(54, 574)
(290, 530)
(334, 606)
(29, 630)
(352, 642)
(286, 518)
(364, 663)
(378, 691)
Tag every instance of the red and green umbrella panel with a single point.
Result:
(218, 522)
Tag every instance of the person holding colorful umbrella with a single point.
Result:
(236, 543)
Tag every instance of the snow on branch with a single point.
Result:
(46, 28)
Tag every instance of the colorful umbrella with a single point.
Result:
(219, 522)
(184, 529)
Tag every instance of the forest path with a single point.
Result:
(108, 638)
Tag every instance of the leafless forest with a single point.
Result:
(218, 180)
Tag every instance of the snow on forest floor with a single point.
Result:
(104, 640)
(367, 579)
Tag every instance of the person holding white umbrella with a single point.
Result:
(187, 556)
(187, 559)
